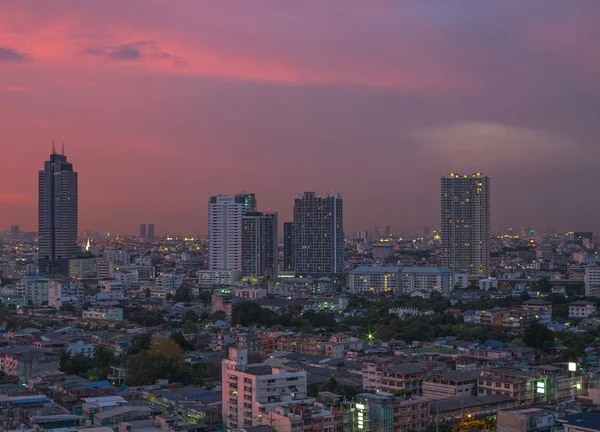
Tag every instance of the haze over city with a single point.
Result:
(162, 105)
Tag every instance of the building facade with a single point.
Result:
(57, 215)
(260, 254)
(373, 279)
(318, 234)
(288, 246)
(465, 222)
(592, 281)
(225, 214)
(428, 279)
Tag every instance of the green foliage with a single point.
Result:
(538, 336)
(145, 317)
(321, 319)
(180, 340)
(139, 342)
(183, 294)
(96, 368)
(219, 315)
(331, 385)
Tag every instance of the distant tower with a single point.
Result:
(150, 232)
(376, 233)
(318, 234)
(260, 253)
(142, 231)
(388, 231)
(57, 214)
(225, 229)
(288, 246)
(466, 224)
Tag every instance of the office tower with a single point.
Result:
(318, 234)
(388, 231)
(288, 246)
(376, 234)
(426, 232)
(225, 229)
(150, 232)
(142, 231)
(260, 250)
(466, 224)
(57, 214)
(15, 234)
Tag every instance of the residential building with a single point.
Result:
(592, 281)
(299, 287)
(373, 279)
(393, 377)
(428, 279)
(581, 309)
(114, 314)
(225, 214)
(288, 246)
(27, 362)
(525, 420)
(218, 277)
(339, 344)
(450, 385)
(143, 232)
(385, 412)
(80, 346)
(105, 268)
(260, 255)
(57, 214)
(465, 224)
(150, 232)
(82, 268)
(33, 289)
(318, 234)
(252, 391)
(582, 422)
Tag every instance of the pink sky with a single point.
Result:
(162, 104)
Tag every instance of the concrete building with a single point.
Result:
(466, 224)
(318, 234)
(57, 214)
(251, 391)
(428, 279)
(260, 253)
(288, 246)
(592, 281)
(105, 268)
(225, 214)
(581, 309)
(393, 377)
(218, 277)
(83, 268)
(373, 279)
(525, 420)
(582, 422)
(385, 412)
(33, 289)
(450, 385)
(80, 346)
(143, 232)
(150, 232)
(27, 362)
(114, 314)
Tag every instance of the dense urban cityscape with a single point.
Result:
(298, 325)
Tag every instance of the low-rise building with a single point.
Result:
(388, 413)
(113, 314)
(374, 279)
(27, 362)
(427, 279)
(450, 385)
(581, 309)
(525, 420)
(592, 281)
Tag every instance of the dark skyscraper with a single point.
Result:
(259, 245)
(142, 231)
(57, 214)
(288, 246)
(376, 233)
(318, 234)
(150, 232)
(388, 231)
(466, 224)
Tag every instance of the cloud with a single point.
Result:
(489, 143)
(16, 89)
(10, 55)
(132, 52)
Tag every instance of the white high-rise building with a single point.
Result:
(251, 391)
(225, 229)
(592, 281)
(428, 279)
(466, 224)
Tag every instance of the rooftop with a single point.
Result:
(376, 270)
(427, 270)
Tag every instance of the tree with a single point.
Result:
(180, 340)
(219, 315)
(538, 336)
(139, 342)
(168, 349)
(183, 294)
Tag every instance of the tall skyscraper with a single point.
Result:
(318, 234)
(388, 231)
(57, 214)
(260, 252)
(150, 232)
(225, 229)
(466, 224)
(376, 233)
(288, 246)
(142, 231)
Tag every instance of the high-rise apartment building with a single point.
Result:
(57, 214)
(466, 223)
(150, 232)
(288, 246)
(260, 251)
(225, 229)
(143, 232)
(318, 234)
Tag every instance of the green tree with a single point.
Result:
(180, 340)
(139, 342)
(183, 294)
(535, 335)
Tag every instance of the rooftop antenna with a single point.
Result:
(63, 148)
(53, 148)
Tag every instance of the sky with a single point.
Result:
(163, 103)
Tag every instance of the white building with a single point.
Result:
(592, 281)
(105, 268)
(581, 309)
(111, 289)
(114, 314)
(225, 229)
(33, 289)
(429, 279)
(127, 277)
(373, 279)
(218, 277)
(59, 290)
(488, 284)
(80, 347)
(250, 391)
(167, 283)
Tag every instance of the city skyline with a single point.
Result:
(414, 92)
